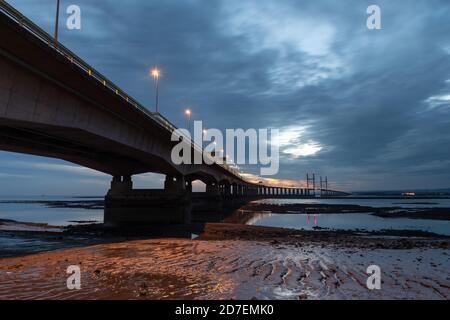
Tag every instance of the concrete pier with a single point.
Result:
(125, 206)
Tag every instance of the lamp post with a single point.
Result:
(155, 74)
(57, 21)
(188, 114)
(204, 135)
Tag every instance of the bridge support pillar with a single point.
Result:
(189, 186)
(139, 208)
(212, 189)
(121, 184)
(175, 184)
(227, 190)
(209, 205)
(236, 190)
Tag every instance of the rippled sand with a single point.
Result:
(224, 269)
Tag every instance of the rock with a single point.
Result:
(303, 296)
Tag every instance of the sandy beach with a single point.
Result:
(237, 262)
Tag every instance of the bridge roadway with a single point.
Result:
(54, 104)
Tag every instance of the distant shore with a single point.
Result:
(74, 204)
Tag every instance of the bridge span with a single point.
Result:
(54, 104)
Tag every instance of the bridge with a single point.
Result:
(54, 104)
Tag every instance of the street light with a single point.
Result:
(188, 113)
(156, 74)
(205, 133)
(57, 21)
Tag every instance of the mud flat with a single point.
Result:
(386, 212)
(240, 262)
(416, 213)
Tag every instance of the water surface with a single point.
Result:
(22, 210)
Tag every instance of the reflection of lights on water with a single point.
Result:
(255, 217)
(252, 218)
(315, 219)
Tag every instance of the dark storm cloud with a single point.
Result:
(374, 101)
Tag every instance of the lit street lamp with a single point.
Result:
(155, 74)
(188, 114)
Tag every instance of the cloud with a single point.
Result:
(298, 41)
(305, 150)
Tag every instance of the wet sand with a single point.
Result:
(238, 262)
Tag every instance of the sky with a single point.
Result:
(370, 109)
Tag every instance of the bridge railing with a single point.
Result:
(40, 34)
